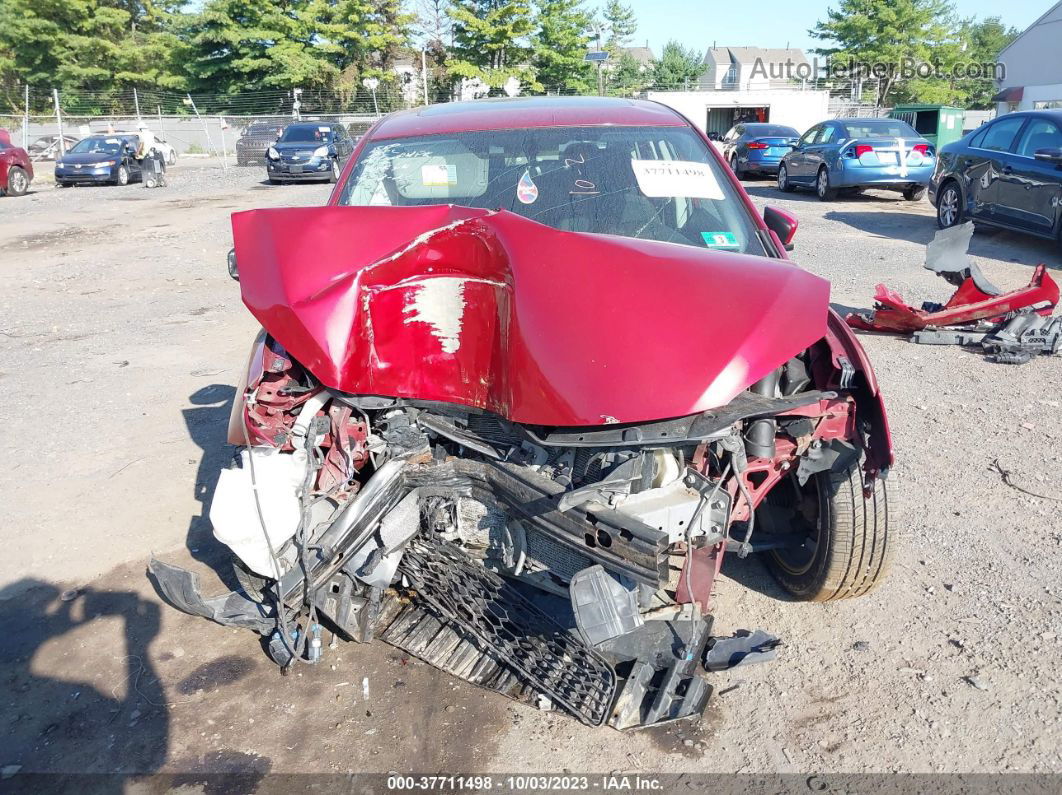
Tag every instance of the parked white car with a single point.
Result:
(169, 154)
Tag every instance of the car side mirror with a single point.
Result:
(1052, 155)
(782, 224)
(231, 262)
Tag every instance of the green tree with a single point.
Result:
(256, 45)
(491, 41)
(985, 40)
(97, 46)
(619, 26)
(677, 67)
(885, 34)
(560, 44)
(626, 77)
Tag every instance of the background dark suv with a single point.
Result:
(1007, 173)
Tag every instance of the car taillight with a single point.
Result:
(758, 145)
(863, 149)
(922, 149)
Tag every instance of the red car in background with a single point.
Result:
(16, 171)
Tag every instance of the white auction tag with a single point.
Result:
(438, 176)
(665, 179)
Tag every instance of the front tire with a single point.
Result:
(123, 176)
(333, 176)
(171, 158)
(823, 190)
(915, 193)
(849, 540)
(949, 206)
(736, 168)
(784, 185)
(17, 181)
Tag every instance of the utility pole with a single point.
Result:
(25, 121)
(59, 121)
(424, 73)
(598, 57)
(136, 104)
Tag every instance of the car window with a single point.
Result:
(731, 134)
(317, 133)
(108, 146)
(827, 135)
(1000, 136)
(772, 131)
(879, 128)
(810, 136)
(979, 137)
(655, 183)
(1040, 134)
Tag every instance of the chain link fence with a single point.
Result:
(211, 123)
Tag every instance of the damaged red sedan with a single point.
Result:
(535, 369)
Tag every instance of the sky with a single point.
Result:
(775, 23)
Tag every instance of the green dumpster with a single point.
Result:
(939, 124)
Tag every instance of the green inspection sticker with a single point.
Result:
(720, 240)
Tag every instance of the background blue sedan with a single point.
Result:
(859, 153)
(757, 147)
(99, 160)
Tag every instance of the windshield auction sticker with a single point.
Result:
(665, 179)
(442, 175)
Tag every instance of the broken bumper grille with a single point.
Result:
(447, 584)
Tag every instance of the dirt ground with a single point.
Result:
(122, 338)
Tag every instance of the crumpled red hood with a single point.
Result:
(489, 309)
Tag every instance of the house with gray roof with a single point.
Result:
(751, 68)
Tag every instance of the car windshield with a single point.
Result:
(656, 183)
(770, 130)
(307, 135)
(260, 130)
(104, 146)
(880, 128)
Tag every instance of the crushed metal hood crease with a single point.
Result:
(494, 311)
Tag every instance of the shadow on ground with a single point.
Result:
(918, 228)
(752, 573)
(207, 423)
(78, 716)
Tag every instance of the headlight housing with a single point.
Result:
(321, 151)
(106, 164)
(272, 153)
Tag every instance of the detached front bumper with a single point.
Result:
(315, 168)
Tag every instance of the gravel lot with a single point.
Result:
(122, 338)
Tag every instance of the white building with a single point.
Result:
(1033, 62)
(718, 111)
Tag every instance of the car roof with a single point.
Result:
(314, 124)
(525, 112)
(1049, 113)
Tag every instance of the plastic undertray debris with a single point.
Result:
(603, 608)
(478, 604)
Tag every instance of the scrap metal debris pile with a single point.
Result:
(447, 450)
(1010, 327)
